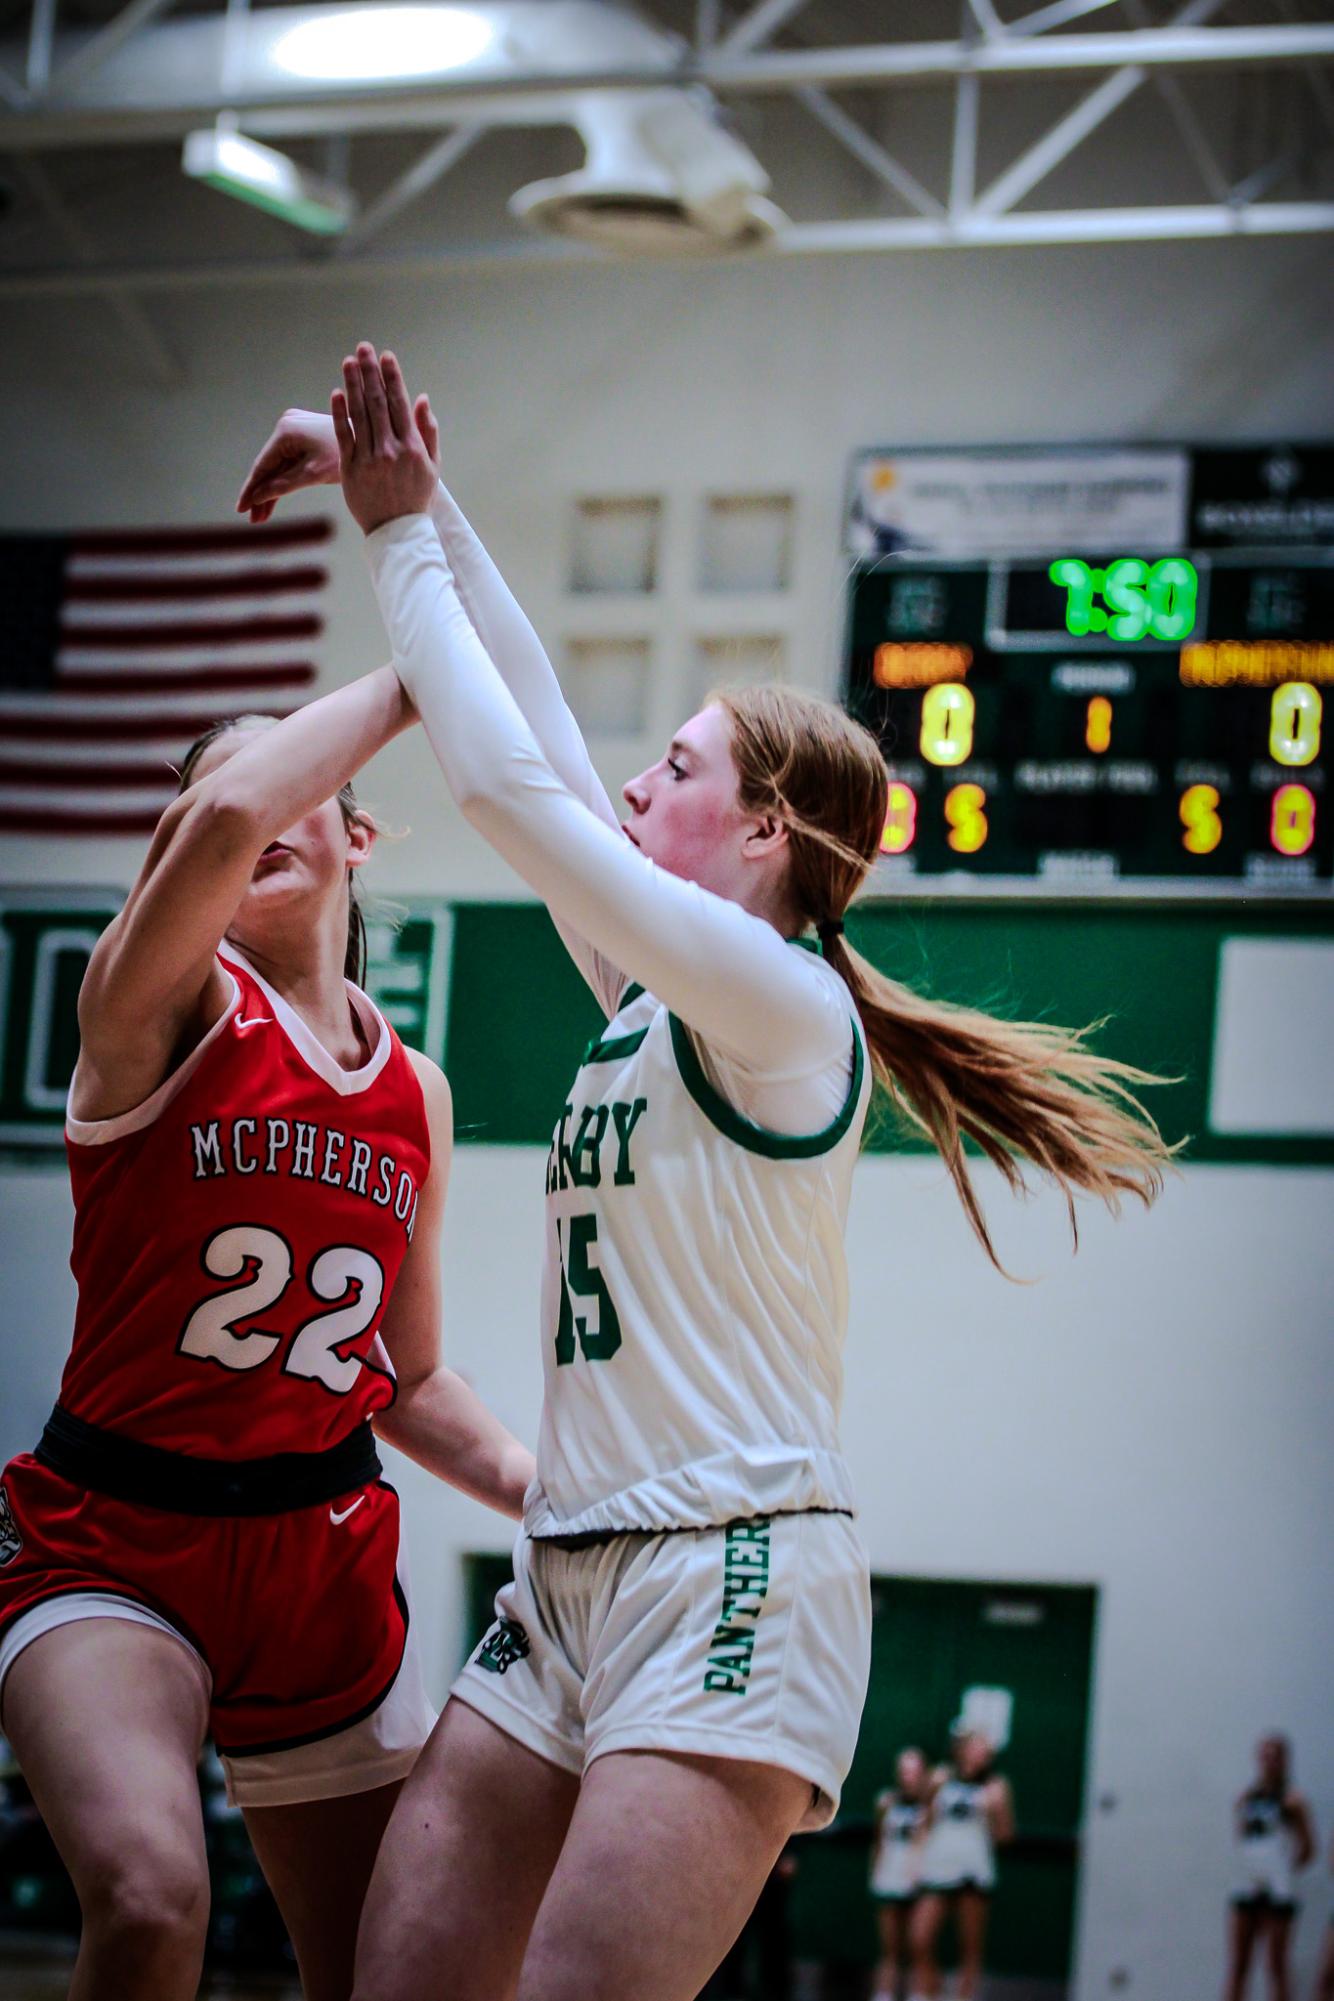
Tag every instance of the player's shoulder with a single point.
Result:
(436, 1094)
(833, 995)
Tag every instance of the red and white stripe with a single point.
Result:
(162, 633)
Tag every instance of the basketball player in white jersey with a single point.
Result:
(1275, 1840)
(896, 1860)
(674, 1680)
(970, 1816)
(1324, 1980)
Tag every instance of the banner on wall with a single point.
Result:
(1028, 501)
(973, 504)
(47, 937)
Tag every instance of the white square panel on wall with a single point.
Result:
(615, 545)
(1273, 1066)
(606, 684)
(737, 660)
(746, 542)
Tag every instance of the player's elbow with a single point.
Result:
(499, 791)
(488, 801)
(223, 817)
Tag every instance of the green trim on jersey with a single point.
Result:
(734, 1125)
(617, 1045)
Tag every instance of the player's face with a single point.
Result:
(308, 862)
(1270, 1757)
(911, 1771)
(974, 1754)
(684, 810)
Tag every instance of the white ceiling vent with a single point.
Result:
(662, 178)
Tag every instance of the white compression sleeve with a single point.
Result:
(517, 654)
(727, 974)
(521, 661)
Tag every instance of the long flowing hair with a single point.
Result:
(1021, 1091)
(354, 956)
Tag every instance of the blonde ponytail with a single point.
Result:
(1019, 1090)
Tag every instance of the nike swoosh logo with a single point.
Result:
(254, 1020)
(335, 1519)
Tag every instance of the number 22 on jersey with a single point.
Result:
(581, 1278)
(351, 1280)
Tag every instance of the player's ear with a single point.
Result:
(768, 836)
(361, 833)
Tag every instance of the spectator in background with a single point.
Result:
(896, 1855)
(1277, 1839)
(1324, 1980)
(971, 1815)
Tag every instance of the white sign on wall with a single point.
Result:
(979, 504)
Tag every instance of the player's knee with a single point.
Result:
(151, 1897)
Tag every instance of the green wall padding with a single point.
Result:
(519, 1014)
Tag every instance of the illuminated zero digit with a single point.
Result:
(1173, 590)
(901, 820)
(947, 723)
(1294, 723)
(1292, 823)
(1199, 816)
(967, 821)
(1098, 724)
(1124, 592)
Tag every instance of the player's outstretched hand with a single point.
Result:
(385, 463)
(300, 451)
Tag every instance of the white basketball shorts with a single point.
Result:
(746, 1641)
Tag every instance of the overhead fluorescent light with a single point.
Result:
(356, 45)
(267, 179)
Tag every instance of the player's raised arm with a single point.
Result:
(726, 972)
(153, 974)
(302, 451)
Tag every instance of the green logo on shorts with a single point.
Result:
(505, 1644)
(745, 1586)
(11, 1542)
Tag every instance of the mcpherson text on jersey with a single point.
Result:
(306, 1151)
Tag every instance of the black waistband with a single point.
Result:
(107, 1463)
(594, 1538)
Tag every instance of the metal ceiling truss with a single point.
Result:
(53, 105)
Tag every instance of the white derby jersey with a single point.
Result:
(694, 1295)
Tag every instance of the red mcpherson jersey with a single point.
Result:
(236, 1237)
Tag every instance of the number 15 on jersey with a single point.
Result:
(582, 1285)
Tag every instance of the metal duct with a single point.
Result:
(661, 173)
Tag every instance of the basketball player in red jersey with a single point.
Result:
(202, 1541)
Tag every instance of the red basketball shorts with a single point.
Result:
(300, 1619)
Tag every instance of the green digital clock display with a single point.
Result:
(1139, 600)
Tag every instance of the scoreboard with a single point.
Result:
(1098, 669)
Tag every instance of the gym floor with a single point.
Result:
(36, 1969)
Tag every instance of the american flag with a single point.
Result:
(118, 649)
